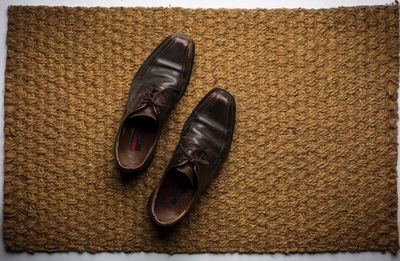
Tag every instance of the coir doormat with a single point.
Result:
(313, 162)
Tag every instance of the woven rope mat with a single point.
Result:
(313, 161)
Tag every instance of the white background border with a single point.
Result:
(364, 256)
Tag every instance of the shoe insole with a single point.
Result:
(174, 197)
(136, 140)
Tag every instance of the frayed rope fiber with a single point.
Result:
(313, 161)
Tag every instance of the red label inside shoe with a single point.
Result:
(137, 139)
(173, 196)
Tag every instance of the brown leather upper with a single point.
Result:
(203, 147)
(159, 83)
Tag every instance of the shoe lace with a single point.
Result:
(155, 98)
(194, 154)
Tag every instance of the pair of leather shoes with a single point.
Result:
(205, 139)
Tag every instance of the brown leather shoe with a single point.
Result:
(157, 86)
(203, 147)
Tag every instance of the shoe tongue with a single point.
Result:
(188, 171)
(146, 111)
